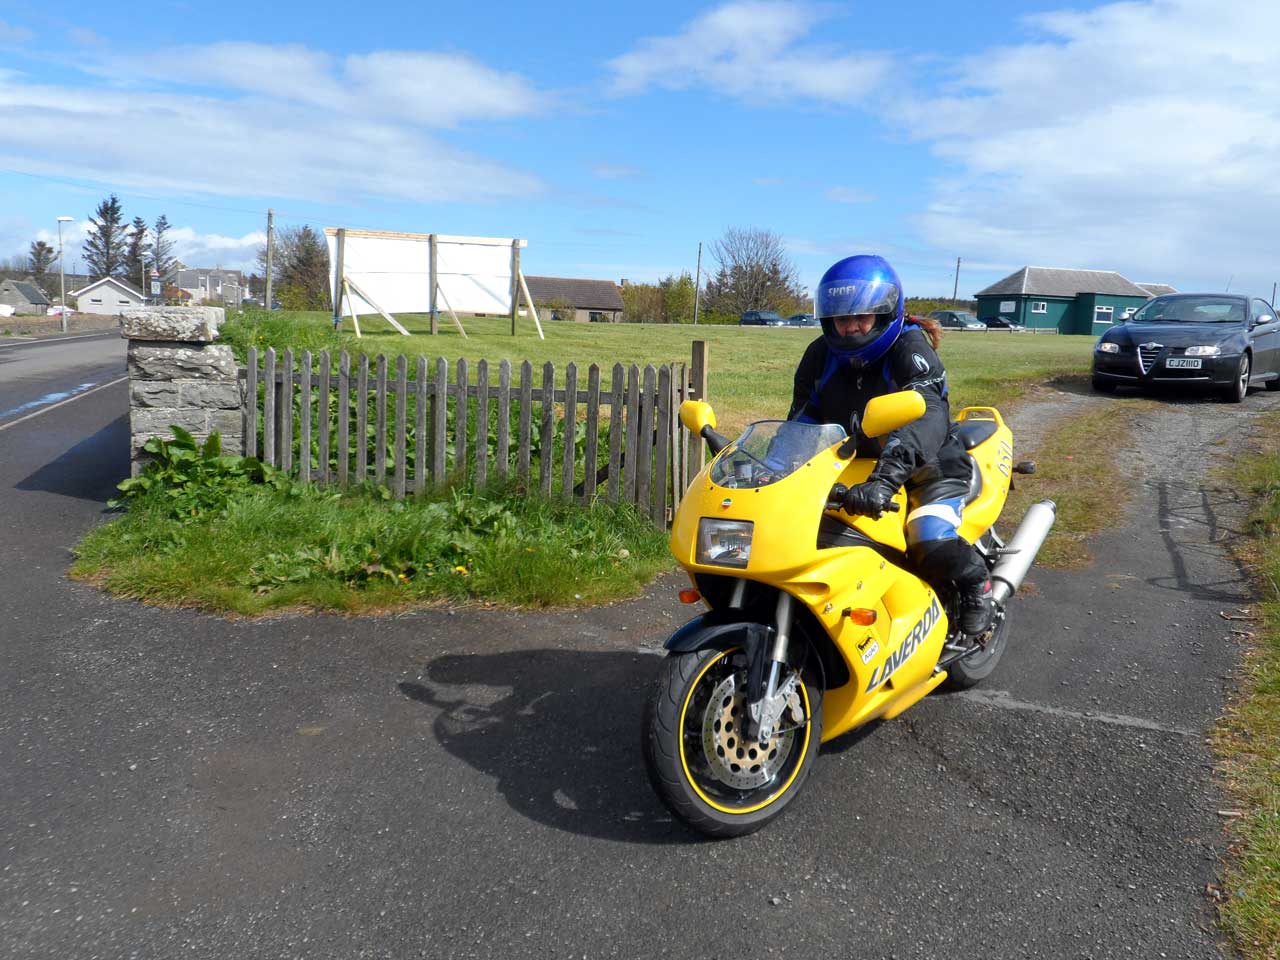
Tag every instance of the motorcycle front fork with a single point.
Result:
(764, 713)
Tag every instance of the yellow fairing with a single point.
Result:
(995, 459)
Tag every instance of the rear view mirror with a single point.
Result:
(887, 413)
(697, 414)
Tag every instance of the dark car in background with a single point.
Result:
(761, 318)
(803, 320)
(957, 320)
(1216, 341)
(1000, 323)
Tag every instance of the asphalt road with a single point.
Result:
(467, 783)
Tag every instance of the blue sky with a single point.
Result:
(1139, 137)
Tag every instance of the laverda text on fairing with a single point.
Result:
(815, 622)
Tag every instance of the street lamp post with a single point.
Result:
(62, 273)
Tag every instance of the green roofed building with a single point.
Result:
(1069, 301)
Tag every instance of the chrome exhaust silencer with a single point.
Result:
(1020, 552)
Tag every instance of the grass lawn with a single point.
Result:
(751, 368)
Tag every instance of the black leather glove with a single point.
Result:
(869, 499)
(874, 496)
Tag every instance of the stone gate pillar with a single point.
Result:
(178, 375)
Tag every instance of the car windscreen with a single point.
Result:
(1208, 309)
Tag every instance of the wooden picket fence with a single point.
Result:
(312, 419)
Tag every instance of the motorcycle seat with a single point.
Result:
(973, 432)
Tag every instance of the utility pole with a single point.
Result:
(697, 284)
(271, 240)
(955, 290)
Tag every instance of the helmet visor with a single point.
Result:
(845, 298)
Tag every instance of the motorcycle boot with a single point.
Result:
(976, 608)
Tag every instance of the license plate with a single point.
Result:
(1184, 362)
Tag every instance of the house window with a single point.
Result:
(1039, 306)
(95, 299)
(1103, 314)
(597, 316)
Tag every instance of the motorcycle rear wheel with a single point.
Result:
(691, 747)
(973, 669)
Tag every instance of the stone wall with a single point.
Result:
(179, 375)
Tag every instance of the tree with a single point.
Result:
(161, 248)
(300, 268)
(677, 298)
(41, 258)
(753, 273)
(641, 303)
(104, 247)
(137, 255)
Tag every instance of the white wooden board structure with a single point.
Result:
(383, 272)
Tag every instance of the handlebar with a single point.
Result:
(835, 500)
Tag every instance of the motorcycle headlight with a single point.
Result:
(1211, 351)
(1106, 346)
(724, 543)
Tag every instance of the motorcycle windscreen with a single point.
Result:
(771, 450)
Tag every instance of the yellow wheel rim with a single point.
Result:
(684, 760)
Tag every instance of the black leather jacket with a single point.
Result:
(830, 391)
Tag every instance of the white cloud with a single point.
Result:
(189, 245)
(1135, 136)
(13, 35)
(848, 195)
(750, 51)
(615, 171)
(242, 119)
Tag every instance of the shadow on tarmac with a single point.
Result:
(559, 730)
(88, 471)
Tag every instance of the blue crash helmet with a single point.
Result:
(856, 285)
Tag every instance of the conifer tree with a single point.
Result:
(104, 247)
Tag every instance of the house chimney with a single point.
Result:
(623, 282)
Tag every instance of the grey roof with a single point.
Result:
(29, 290)
(1158, 289)
(1059, 282)
(583, 294)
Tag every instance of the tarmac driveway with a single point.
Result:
(467, 783)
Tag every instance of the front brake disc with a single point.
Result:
(734, 760)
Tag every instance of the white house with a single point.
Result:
(107, 295)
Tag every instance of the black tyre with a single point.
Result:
(1239, 387)
(975, 668)
(1274, 383)
(1103, 386)
(698, 763)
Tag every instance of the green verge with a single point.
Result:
(1247, 739)
(267, 549)
(1081, 476)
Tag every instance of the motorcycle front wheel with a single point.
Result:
(697, 755)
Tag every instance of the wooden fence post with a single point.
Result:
(269, 410)
(617, 424)
(547, 458)
(285, 440)
(362, 420)
(322, 420)
(570, 430)
(439, 421)
(402, 402)
(380, 424)
(592, 453)
(482, 424)
(502, 464)
(304, 418)
(251, 405)
(698, 391)
(420, 436)
(460, 412)
(526, 417)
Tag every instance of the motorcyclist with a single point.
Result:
(869, 348)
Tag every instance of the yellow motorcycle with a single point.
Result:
(815, 623)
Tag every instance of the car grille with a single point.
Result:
(1147, 355)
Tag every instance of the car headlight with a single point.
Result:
(1203, 351)
(1106, 346)
(724, 543)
